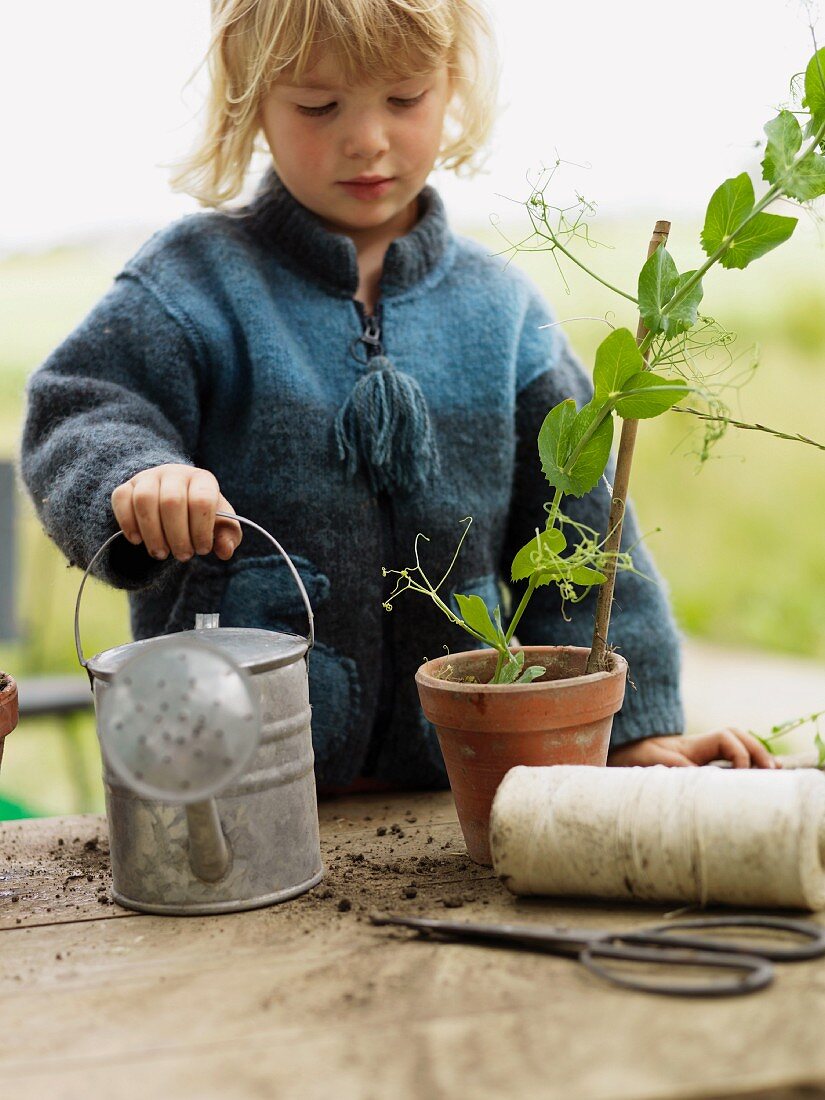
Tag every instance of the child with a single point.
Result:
(244, 358)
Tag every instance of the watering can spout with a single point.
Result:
(210, 856)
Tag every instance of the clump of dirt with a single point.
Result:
(5, 680)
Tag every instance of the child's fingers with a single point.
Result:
(227, 533)
(760, 757)
(728, 744)
(203, 503)
(173, 502)
(146, 506)
(674, 759)
(650, 751)
(124, 512)
(172, 508)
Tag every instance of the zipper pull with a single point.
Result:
(371, 336)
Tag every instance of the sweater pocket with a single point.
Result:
(248, 592)
(261, 590)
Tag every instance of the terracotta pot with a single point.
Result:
(8, 708)
(485, 729)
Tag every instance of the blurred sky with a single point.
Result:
(663, 99)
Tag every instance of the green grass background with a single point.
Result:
(739, 541)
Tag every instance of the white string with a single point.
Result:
(695, 835)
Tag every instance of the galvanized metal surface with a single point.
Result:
(269, 818)
(171, 705)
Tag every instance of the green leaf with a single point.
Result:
(683, 315)
(583, 574)
(820, 746)
(550, 576)
(730, 205)
(592, 459)
(617, 358)
(759, 236)
(657, 396)
(806, 180)
(500, 635)
(659, 281)
(531, 673)
(511, 670)
(562, 430)
(815, 86)
(546, 545)
(554, 439)
(475, 614)
(784, 142)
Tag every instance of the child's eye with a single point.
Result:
(398, 102)
(317, 110)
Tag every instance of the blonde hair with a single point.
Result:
(255, 41)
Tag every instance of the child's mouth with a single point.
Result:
(367, 189)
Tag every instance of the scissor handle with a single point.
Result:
(813, 933)
(223, 515)
(754, 972)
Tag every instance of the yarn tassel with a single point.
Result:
(385, 426)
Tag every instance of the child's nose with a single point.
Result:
(367, 138)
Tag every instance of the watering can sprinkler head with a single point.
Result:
(179, 722)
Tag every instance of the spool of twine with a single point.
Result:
(748, 837)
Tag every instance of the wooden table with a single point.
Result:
(308, 999)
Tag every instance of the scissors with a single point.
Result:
(744, 966)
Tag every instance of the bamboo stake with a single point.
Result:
(597, 660)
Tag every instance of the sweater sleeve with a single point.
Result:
(119, 395)
(642, 627)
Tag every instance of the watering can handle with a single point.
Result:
(223, 515)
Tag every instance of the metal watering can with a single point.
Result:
(208, 763)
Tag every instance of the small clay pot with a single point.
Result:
(8, 708)
(485, 729)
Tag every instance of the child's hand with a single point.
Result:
(171, 509)
(742, 749)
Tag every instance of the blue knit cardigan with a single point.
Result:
(232, 341)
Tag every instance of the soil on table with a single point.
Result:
(377, 859)
(385, 870)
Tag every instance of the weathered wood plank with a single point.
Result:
(308, 999)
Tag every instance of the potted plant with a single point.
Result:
(504, 704)
(8, 708)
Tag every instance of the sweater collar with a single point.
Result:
(277, 218)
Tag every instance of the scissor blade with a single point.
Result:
(539, 937)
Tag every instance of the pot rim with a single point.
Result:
(8, 706)
(424, 677)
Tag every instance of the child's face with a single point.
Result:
(323, 134)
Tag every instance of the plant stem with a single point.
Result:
(773, 192)
(750, 427)
(554, 509)
(596, 661)
(520, 609)
(557, 244)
